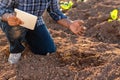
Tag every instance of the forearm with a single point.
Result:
(65, 22)
(54, 11)
(5, 13)
(5, 7)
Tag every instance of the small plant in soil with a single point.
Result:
(114, 15)
(66, 5)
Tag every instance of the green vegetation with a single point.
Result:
(66, 5)
(114, 15)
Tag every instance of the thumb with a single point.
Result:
(80, 21)
(19, 21)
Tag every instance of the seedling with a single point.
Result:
(114, 15)
(66, 5)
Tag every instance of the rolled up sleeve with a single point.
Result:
(54, 11)
(5, 6)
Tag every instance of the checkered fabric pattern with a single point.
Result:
(35, 7)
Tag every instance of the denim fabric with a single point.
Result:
(15, 36)
(39, 40)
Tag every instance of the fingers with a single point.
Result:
(81, 30)
(19, 21)
(14, 21)
(77, 27)
(80, 22)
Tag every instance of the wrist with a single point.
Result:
(69, 23)
(65, 22)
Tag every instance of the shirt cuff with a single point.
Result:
(57, 15)
(3, 11)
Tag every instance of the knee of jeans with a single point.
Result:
(16, 33)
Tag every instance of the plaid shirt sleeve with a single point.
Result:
(5, 6)
(54, 11)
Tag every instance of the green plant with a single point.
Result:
(66, 5)
(114, 15)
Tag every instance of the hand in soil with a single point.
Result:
(77, 27)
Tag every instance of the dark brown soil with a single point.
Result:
(93, 56)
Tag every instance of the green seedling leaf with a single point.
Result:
(66, 5)
(70, 3)
(114, 14)
(110, 20)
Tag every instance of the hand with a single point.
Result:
(11, 19)
(77, 27)
(14, 21)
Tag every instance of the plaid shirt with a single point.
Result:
(35, 7)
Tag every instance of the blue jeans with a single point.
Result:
(39, 39)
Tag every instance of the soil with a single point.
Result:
(92, 56)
